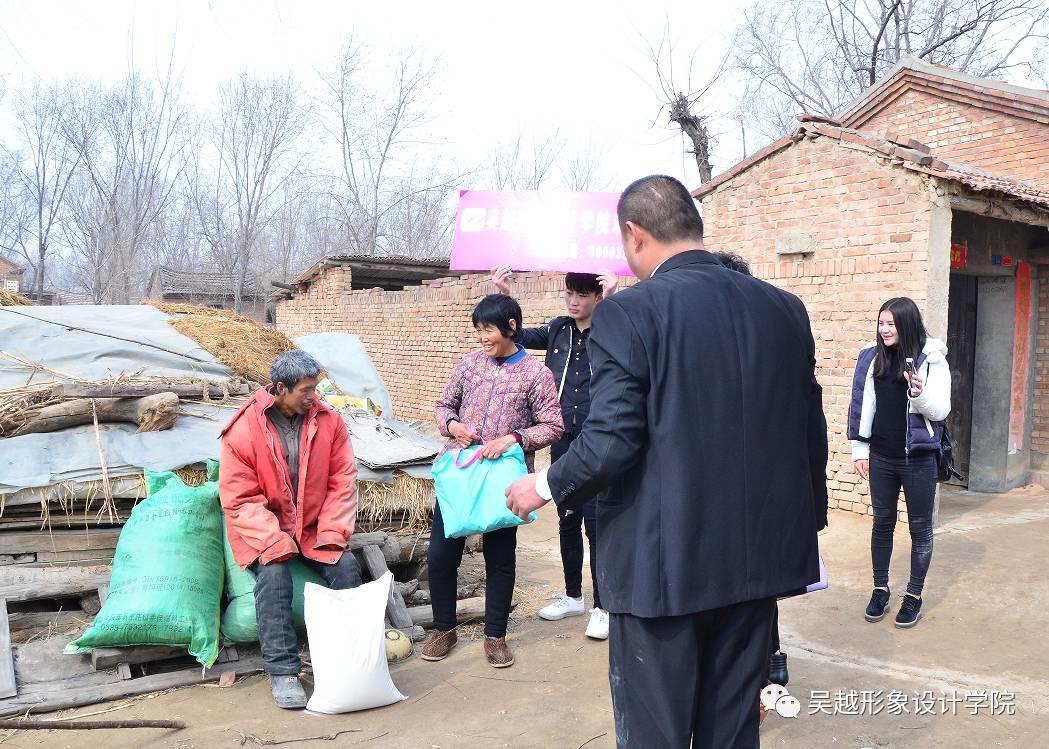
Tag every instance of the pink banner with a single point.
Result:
(551, 231)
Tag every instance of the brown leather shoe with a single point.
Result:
(498, 652)
(439, 645)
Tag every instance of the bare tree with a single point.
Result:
(47, 163)
(131, 141)
(582, 170)
(684, 96)
(817, 55)
(255, 151)
(526, 163)
(376, 189)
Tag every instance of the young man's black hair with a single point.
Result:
(498, 310)
(583, 283)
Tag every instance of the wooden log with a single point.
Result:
(142, 389)
(359, 540)
(376, 564)
(406, 549)
(408, 589)
(153, 413)
(34, 583)
(90, 604)
(7, 661)
(466, 610)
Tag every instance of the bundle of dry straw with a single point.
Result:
(407, 503)
(12, 299)
(240, 343)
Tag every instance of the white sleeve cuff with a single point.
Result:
(542, 486)
(860, 450)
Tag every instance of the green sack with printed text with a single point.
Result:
(166, 585)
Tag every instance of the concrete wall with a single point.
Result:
(875, 230)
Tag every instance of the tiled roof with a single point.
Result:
(895, 150)
(191, 283)
(913, 73)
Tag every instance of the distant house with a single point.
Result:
(208, 289)
(11, 276)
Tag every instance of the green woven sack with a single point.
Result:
(166, 585)
(238, 620)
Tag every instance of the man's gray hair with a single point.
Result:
(293, 367)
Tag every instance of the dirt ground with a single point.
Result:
(986, 615)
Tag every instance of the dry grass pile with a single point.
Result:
(19, 405)
(13, 299)
(194, 475)
(240, 343)
(406, 504)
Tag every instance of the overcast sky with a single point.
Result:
(574, 66)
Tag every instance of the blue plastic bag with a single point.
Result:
(472, 492)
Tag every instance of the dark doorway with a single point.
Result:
(961, 356)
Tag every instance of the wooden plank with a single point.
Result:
(6, 559)
(7, 662)
(27, 542)
(23, 583)
(59, 695)
(466, 610)
(395, 608)
(42, 661)
(56, 620)
(96, 557)
(103, 659)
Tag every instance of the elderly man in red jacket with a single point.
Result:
(288, 484)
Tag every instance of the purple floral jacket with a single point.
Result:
(498, 399)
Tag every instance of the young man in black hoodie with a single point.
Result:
(564, 340)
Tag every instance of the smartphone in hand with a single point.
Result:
(908, 366)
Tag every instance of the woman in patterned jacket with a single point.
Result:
(498, 396)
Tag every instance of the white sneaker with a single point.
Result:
(598, 627)
(564, 606)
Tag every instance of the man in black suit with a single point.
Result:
(707, 431)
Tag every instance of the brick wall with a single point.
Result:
(416, 336)
(962, 132)
(872, 226)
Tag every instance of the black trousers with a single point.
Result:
(570, 532)
(273, 592)
(690, 680)
(500, 570)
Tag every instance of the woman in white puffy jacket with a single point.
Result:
(895, 424)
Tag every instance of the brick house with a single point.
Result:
(12, 277)
(934, 185)
(208, 289)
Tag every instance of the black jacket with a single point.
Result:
(707, 428)
(556, 338)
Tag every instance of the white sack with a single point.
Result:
(347, 632)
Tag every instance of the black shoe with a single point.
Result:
(910, 612)
(878, 607)
(778, 669)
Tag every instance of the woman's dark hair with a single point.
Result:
(582, 283)
(498, 310)
(733, 262)
(911, 333)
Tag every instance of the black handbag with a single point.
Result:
(945, 456)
